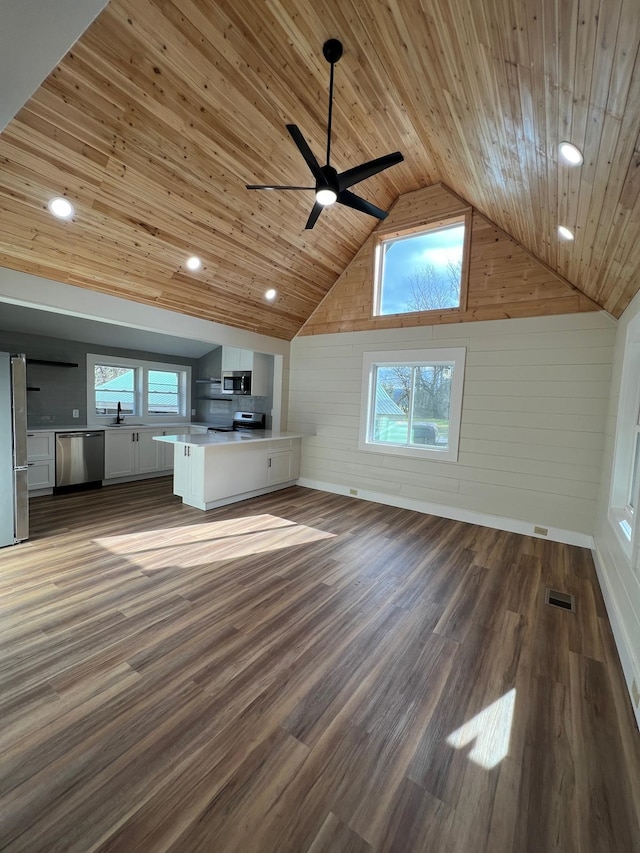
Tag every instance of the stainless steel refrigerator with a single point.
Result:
(14, 497)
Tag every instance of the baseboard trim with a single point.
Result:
(510, 525)
(630, 667)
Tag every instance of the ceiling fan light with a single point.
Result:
(326, 196)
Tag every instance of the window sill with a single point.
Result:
(427, 452)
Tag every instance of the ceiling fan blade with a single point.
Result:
(272, 187)
(359, 173)
(316, 210)
(349, 199)
(304, 149)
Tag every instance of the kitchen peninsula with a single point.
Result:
(221, 468)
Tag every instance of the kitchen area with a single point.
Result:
(77, 432)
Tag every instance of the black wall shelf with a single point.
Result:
(47, 362)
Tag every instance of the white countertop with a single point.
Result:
(76, 427)
(221, 438)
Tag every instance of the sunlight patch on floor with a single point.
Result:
(196, 544)
(491, 731)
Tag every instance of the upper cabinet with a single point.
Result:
(234, 358)
(257, 363)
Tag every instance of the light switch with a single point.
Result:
(76, 413)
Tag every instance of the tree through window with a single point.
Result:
(412, 402)
(423, 270)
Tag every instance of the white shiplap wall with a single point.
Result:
(533, 418)
(619, 577)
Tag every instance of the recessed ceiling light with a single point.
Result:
(570, 154)
(564, 233)
(61, 207)
(271, 294)
(194, 263)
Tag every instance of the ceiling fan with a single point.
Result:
(332, 186)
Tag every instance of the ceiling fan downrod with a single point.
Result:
(332, 51)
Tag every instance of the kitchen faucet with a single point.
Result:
(119, 415)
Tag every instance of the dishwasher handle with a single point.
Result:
(81, 434)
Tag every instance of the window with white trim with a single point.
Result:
(412, 402)
(422, 269)
(143, 389)
(625, 482)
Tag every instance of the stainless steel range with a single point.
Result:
(242, 421)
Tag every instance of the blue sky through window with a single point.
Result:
(403, 257)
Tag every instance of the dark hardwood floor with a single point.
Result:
(304, 672)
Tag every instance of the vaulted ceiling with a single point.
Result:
(164, 109)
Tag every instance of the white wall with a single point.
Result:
(619, 581)
(33, 39)
(534, 410)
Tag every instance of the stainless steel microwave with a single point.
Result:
(236, 382)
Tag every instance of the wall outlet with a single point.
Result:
(76, 413)
(45, 418)
(542, 531)
(635, 693)
(353, 491)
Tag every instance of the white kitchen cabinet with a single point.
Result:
(148, 451)
(40, 445)
(220, 472)
(188, 473)
(41, 475)
(279, 467)
(234, 358)
(132, 451)
(255, 362)
(41, 461)
(167, 450)
(119, 453)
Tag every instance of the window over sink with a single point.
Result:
(141, 390)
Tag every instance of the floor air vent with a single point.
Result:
(560, 599)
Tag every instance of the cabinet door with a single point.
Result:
(166, 452)
(230, 358)
(260, 374)
(148, 451)
(280, 467)
(245, 358)
(119, 453)
(40, 445)
(181, 470)
(40, 475)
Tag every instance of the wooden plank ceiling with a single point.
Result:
(164, 109)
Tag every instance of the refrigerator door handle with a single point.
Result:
(21, 504)
(19, 393)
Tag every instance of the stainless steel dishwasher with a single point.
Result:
(79, 459)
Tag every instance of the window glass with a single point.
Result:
(114, 385)
(413, 406)
(142, 388)
(633, 491)
(163, 392)
(421, 272)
